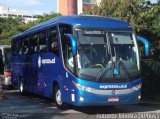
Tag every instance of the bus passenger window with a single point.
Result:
(15, 48)
(65, 29)
(21, 50)
(34, 44)
(53, 42)
(67, 54)
(42, 42)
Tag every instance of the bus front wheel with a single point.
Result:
(57, 98)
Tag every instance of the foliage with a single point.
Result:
(150, 79)
(10, 27)
(142, 15)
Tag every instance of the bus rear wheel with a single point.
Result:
(58, 98)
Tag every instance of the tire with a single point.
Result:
(57, 98)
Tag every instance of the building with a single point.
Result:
(87, 4)
(70, 7)
(7, 12)
(67, 7)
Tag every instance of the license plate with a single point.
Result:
(113, 99)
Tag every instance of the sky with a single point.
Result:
(36, 6)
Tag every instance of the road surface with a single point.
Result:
(19, 106)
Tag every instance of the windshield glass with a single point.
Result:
(106, 56)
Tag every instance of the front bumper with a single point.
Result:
(84, 99)
(124, 93)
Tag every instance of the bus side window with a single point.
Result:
(21, 50)
(53, 42)
(66, 46)
(42, 41)
(67, 54)
(33, 43)
(15, 48)
(36, 40)
(26, 46)
(65, 29)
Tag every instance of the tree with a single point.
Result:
(10, 27)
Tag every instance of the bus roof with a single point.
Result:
(83, 21)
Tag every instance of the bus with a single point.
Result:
(79, 60)
(5, 64)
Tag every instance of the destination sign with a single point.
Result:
(93, 32)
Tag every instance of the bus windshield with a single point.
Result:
(99, 52)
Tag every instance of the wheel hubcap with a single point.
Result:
(58, 97)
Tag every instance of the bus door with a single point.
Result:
(39, 67)
(34, 47)
(27, 53)
(48, 62)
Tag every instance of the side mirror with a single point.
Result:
(73, 42)
(146, 44)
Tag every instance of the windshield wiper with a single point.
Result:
(102, 72)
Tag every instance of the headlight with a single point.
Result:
(137, 87)
(84, 88)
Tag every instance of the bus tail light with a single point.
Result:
(7, 73)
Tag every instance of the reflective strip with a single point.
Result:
(109, 92)
(73, 97)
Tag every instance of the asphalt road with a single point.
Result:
(19, 106)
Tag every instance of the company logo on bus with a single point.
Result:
(48, 61)
(45, 61)
(112, 86)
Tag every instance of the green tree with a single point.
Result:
(40, 19)
(10, 27)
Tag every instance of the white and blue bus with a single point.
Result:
(79, 60)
